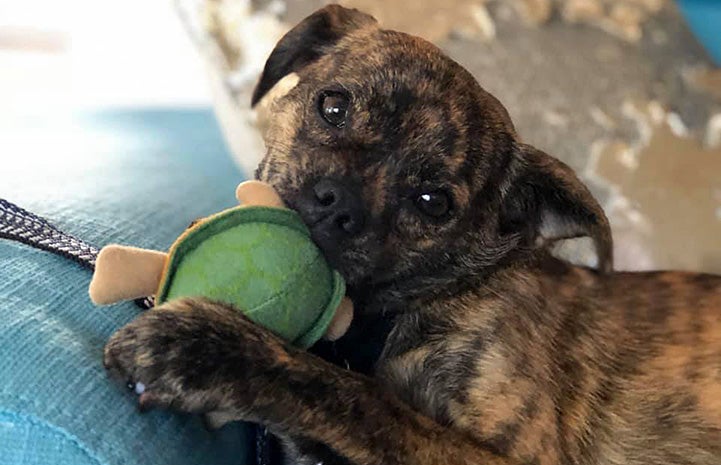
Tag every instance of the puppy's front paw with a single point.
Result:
(176, 356)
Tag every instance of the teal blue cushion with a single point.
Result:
(132, 177)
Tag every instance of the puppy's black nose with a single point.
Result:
(333, 207)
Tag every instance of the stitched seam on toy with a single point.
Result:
(34, 420)
(292, 276)
(114, 450)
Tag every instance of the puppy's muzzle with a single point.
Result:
(332, 209)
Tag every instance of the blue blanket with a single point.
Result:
(129, 177)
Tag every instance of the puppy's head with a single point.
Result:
(408, 174)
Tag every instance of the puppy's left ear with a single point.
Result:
(546, 202)
(307, 42)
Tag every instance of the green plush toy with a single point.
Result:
(258, 257)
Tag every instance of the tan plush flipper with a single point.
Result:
(259, 194)
(341, 320)
(125, 273)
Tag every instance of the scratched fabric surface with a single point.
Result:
(133, 177)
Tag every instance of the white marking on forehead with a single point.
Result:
(278, 91)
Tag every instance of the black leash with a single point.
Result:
(18, 224)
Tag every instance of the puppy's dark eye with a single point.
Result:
(333, 107)
(435, 204)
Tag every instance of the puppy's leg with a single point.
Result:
(300, 451)
(198, 356)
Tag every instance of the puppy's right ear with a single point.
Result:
(546, 202)
(308, 41)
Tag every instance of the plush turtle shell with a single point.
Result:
(262, 261)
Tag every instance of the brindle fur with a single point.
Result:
(499, 353)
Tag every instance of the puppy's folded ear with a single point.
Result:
(306, 42)
(546, 202)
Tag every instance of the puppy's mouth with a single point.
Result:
(331, 251)
(350, 255)
(364, 283)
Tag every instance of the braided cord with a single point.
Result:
(18, 224)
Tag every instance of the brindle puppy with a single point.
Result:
(414, 183)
